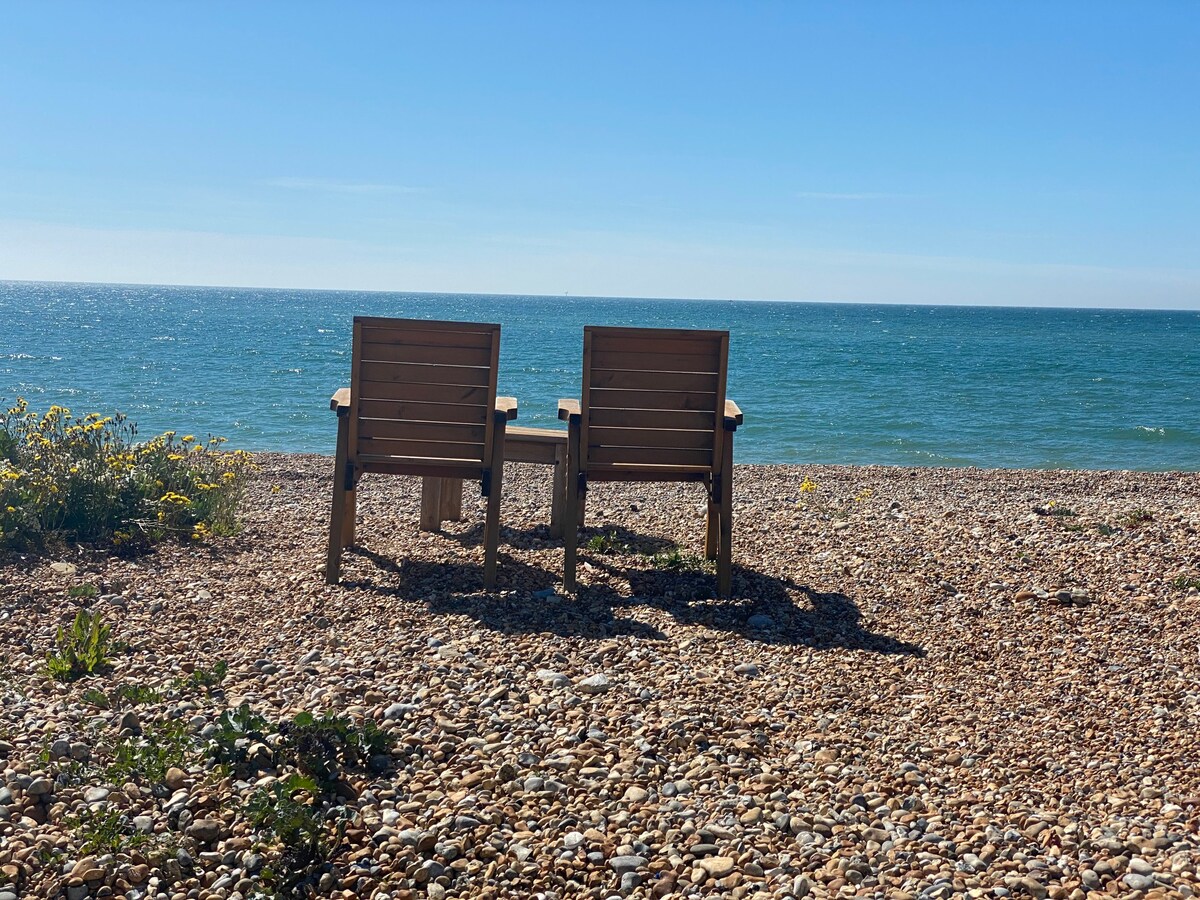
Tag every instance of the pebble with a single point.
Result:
(593, 684)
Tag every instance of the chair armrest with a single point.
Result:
(506, 407)
(568, 409)
(340, 401)
(733, 416)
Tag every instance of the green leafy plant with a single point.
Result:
(286, 814)
(83, 591)
(1184, 583)
(203, 679)
(101, 831)
(122, 695)
(676, 560)
(608, 544)
(236, 729)
(1136, 518)
(319, 746)
(89, 480)
(146, 758)
(81, 650)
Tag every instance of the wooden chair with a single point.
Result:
(653, 409)
(422, 401)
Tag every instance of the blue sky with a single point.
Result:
(1026, 154)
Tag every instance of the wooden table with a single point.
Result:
(441, 498)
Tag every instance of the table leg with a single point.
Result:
(452, 491)
(431, 503)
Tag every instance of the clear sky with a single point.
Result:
(1010, 153)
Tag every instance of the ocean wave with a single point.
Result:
(1150, 429)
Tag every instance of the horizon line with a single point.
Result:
(232, 287)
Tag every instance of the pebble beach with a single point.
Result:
(930, 683)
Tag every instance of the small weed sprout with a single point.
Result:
(320, 746)
(203, 679)
(675, 560)
(607, 544)
(1186, 583)
(121, 696)
(82, 650)
(1137, 517)
(104, 831)
(84, 591)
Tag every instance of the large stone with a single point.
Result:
(594, 684)
(717, 866)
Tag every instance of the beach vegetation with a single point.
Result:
(121, 696)
(814, 498)
(288, 816)
(105, 831)
(81, 650)
(84, 591)
(320, 746)
(236, 730)
(1186, 583)
(146, 758)
(205, 679)
(607, 544)
(1137, 517)
(676, 560)
(91, 480)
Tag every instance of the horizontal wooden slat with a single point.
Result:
(418, 373)
(597, 473)
(657, 457)
(423, 449)
(423, 353)
(710, 347)
(662, 381)
(420, 431)
(652, 418)
(423, 412)
(653, 362)
(426, 338)
(615, 399)
(399, 465)
(663, 438)
(425, 393)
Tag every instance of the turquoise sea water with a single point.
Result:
(906, 385)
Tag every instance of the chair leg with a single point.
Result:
(350, 519)
(558, 492)
(711, 539)
(431, 503)
(337, 513)
(491, 536)
(574, 508)
(725, 542)
(452, 490)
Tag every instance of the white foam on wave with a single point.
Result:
(1151, 429)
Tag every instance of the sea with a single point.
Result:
(995, 387)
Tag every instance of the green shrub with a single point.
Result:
(608, 544)
(236, 730)
(88, 480)
(301, 831)
(83, 650)
(319, 746)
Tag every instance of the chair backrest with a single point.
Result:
(653, 399)
(423, 392)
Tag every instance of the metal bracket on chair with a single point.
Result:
(349, 476)
(583, 482)
(714, 489)
(486, 482)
